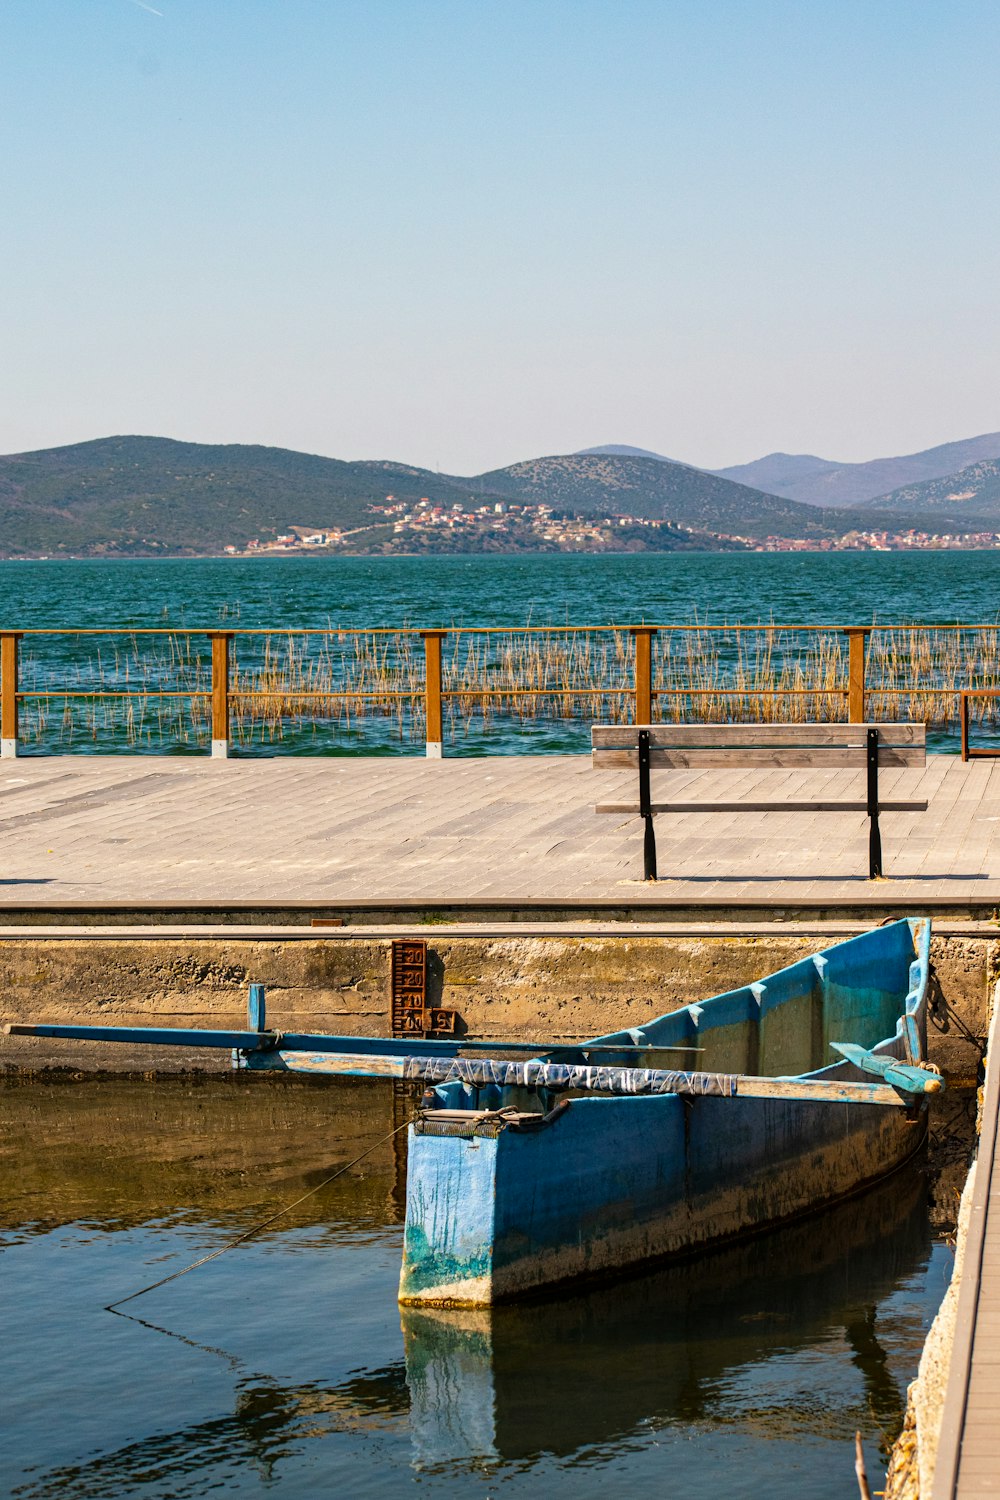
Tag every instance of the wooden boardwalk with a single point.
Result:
(92, 831)
(968, 1461)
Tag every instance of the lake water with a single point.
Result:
(289, 594)
(287, 1367)
(841, 588)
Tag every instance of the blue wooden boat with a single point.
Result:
(704, 1125)
(497, 1207)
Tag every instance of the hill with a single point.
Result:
(821, 481)
(973, 491)
(145, 495)
(148, 496)
(605, 483)
(794, 475)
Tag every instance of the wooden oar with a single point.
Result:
(909, 1076)
(612, 1080)
(420, 1059)
(265, 1041)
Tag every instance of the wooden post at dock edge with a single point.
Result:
(643, 672)
(8, 694)
(256, 1008)
(857, 636)
(432, 691)
(220, 692)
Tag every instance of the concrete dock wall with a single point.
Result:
(913, 1462)
(558, 987)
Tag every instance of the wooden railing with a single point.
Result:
(434, 676)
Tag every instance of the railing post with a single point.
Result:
(857, 635)
(220, 692)
(432, 691)
(8, 694)
(643, 672)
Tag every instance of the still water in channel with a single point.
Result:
(286, 1366)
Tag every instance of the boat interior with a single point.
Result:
(780, 1027)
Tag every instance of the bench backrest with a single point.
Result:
(692, 745)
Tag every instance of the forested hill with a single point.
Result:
(149, 496)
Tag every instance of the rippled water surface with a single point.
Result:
(811, 588)
(286, 1366)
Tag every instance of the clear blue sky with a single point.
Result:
(462, 232)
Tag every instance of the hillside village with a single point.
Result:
(404, 525)
(426, 524)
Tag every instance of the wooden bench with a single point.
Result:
(866, 747)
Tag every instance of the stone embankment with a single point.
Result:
(558, 987)
(914, 1460)
(914, 1455)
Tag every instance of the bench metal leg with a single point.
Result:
(649, 850)
(649, 837)
(874, 837)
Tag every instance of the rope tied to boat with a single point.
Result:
(256, 1228)
(494, 1120)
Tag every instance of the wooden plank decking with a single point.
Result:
(153, 831)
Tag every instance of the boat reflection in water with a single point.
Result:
(678, 1345)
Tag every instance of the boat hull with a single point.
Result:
(495, 1212)
(663, 1342)
(616, 1182)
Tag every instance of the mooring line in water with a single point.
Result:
(256, 1229)
(235, 1363)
